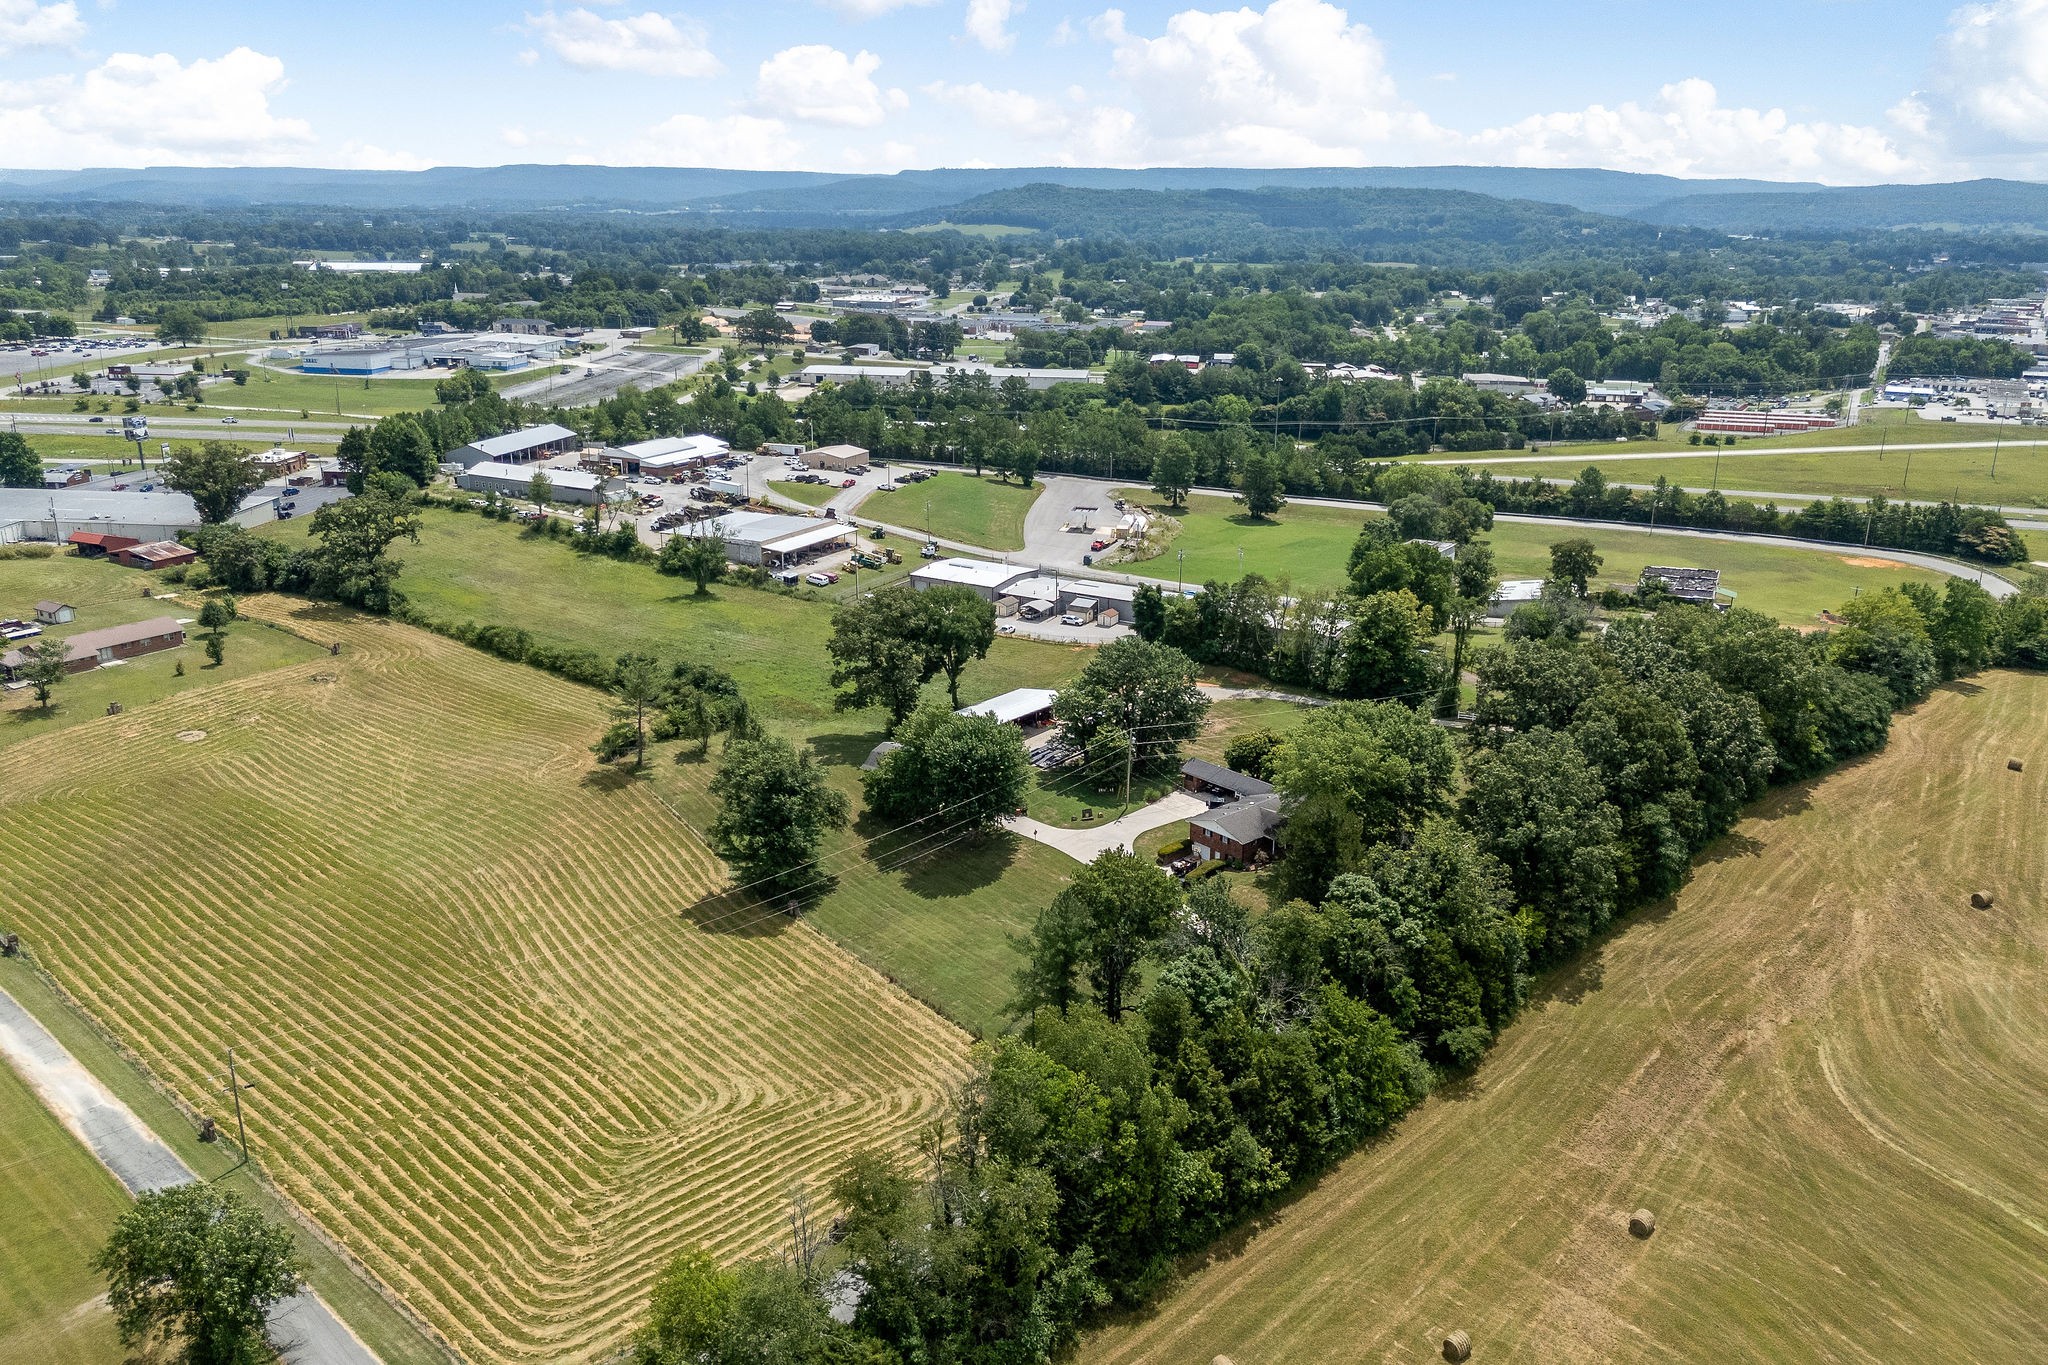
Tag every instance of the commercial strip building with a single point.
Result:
(1773, 423)
(516, 481)
(840, 457)
(772, 540)
(90, 649)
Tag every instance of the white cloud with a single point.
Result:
(24, 24)
(1093, 136)
(988, 23)
(1689, 132)
(651, 43)
(1063, 33)
(816, 83)
(1295, 84)
(1993, 67)
(136, 110)
(739, 142)
(870, 9)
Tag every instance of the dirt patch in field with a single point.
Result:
(1868, 562)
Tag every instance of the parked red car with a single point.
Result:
(1099, 545)
(848, 483)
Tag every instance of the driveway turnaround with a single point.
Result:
(302, 1326)
(1083, 845)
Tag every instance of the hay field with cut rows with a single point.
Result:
(1823, 1071)
(498, 1052)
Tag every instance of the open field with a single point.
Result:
(394, 1337)
(505, 1054)
(1308, 545)
(932, 913)
(467, 568)
(963, 508)
(1820, 1068)
(1962, 471)
(323, 395)
(1875, 424)
(106, 594)
(60, 1205)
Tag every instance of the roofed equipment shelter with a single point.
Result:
(1028, 708)
(525, 446)
(772, 540)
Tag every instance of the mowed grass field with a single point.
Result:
(931, 909)
(1952, 471)
(59, 1206)
(974, 511)
(105, 594)
(1310, 545)
(1823, 1071)
(507, 1051)
(1872, 424)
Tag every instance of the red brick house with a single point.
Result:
(89, 649)
(1241, 832)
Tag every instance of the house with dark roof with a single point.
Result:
(1218, 783)
(1240, 832)
(90, 649)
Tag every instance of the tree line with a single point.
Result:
(1181, 1064)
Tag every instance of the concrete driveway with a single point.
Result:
(303, 1328)
(1083, 845)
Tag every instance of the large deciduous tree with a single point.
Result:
(775, 808)
(352, 564)
(968, 770)
(877, 660)
(1575, 561)
(196, 1265)
(956, 626)
(20, 466)
(216, 475)
(1145, 690)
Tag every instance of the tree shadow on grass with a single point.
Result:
(846, 749)
(749, 912)
(614, 777)
(963, 868)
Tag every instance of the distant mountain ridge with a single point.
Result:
(817, 192)
(958, 194)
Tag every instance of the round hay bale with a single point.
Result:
(1457, 1346)
(1980, 900)
(2016, 765)
(1642, 1223)
(1222, 1360)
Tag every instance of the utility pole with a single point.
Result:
(1996, 441)
(1907, 477)
(1130, 756)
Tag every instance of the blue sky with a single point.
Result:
(1843, 91)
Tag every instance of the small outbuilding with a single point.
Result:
(92, 544)
(155, 554)
(1207, 779)
(55, 613)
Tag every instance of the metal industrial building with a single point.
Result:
(476, 351)
(525, 446)
(903, 376)
(41, 514)
(516, 481)
(771, 540)
(668, 454)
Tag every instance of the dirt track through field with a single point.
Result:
(493, 1055)
(1825, 1073)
